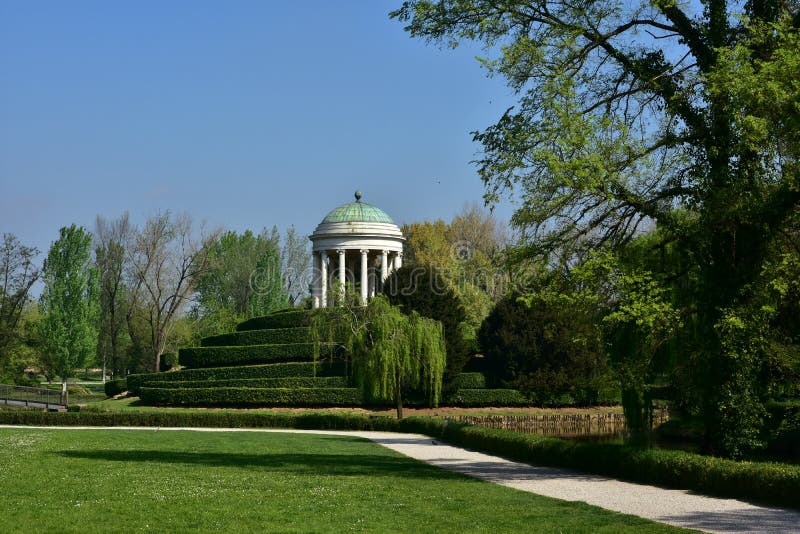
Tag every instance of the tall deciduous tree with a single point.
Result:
(166, 259)
(295, 262)
(17, 275)
(243, 278)
(111, 239)
(69, 303)
(632, 113)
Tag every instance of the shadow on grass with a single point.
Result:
(309, 463)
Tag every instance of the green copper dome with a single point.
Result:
(357, 212)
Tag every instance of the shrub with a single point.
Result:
(240, 396)
(115, 387)
(276, 370)
(487, 397)
(218, 356)
(169, 360)
(282, 319)
(469, 381)
(288, 382)
(258, 337)
(544, 350)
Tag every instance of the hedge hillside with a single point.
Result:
(276, 370)
(198, 357)
(240, 396)
(258, 337)
(284, 319)
(469, 381)
(289, 382)
(487, 397)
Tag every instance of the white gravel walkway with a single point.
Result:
(674, 507)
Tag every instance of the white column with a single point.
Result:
(364, 279)
(342, 272)
(316, 288)
(398, 260)
(384, 265)
(323, 297)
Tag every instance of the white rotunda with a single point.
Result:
(357, 244)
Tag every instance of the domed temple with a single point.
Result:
(357, 244)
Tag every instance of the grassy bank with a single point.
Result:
(93, 480)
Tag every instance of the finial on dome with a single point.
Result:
(358, 196)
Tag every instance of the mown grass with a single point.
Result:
(180, 481)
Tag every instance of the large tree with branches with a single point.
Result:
(630, 115)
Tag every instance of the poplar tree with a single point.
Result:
(69, 303)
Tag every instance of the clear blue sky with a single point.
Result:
(244, 113)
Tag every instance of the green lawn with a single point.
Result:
(180, 481)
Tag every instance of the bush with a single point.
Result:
(258, 337)
(218, 356)
(169, 360)
(487, 397)
(240, 396)
(115, 387)
(543, 350)
(276, 370)
(202, 419)
(469, 381)
(283, 319)
(289, 382)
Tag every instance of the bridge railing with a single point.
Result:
(33, 395)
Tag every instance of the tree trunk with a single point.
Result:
(399, 397)
(64, 398)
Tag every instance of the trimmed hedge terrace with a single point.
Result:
(277, 370)
(469, 381)
(284, 319)
(241, 396)
(259, 337)
(288, 382)
(221, 356)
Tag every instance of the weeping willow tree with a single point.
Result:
(388, 353)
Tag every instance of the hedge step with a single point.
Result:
(487, 397)
(198, 357)
(240, 396)
(259, 337)
(274, 370)
(283, 319)
(289, 382)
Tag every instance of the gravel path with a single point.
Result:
(674, 507)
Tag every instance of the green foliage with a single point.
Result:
(487, 397)
(17, 276)
(424, 290)
(115, 387)
(169, 360)
(390, 353)
(245, 396)
(277, 370)
(288, 382)
(702, 143)
(195, 357)
(69, 303)
(243, 280)
(283, 319)
(258, 337)
(469, 381)
(544, 349)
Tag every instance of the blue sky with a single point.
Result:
(245, 114)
